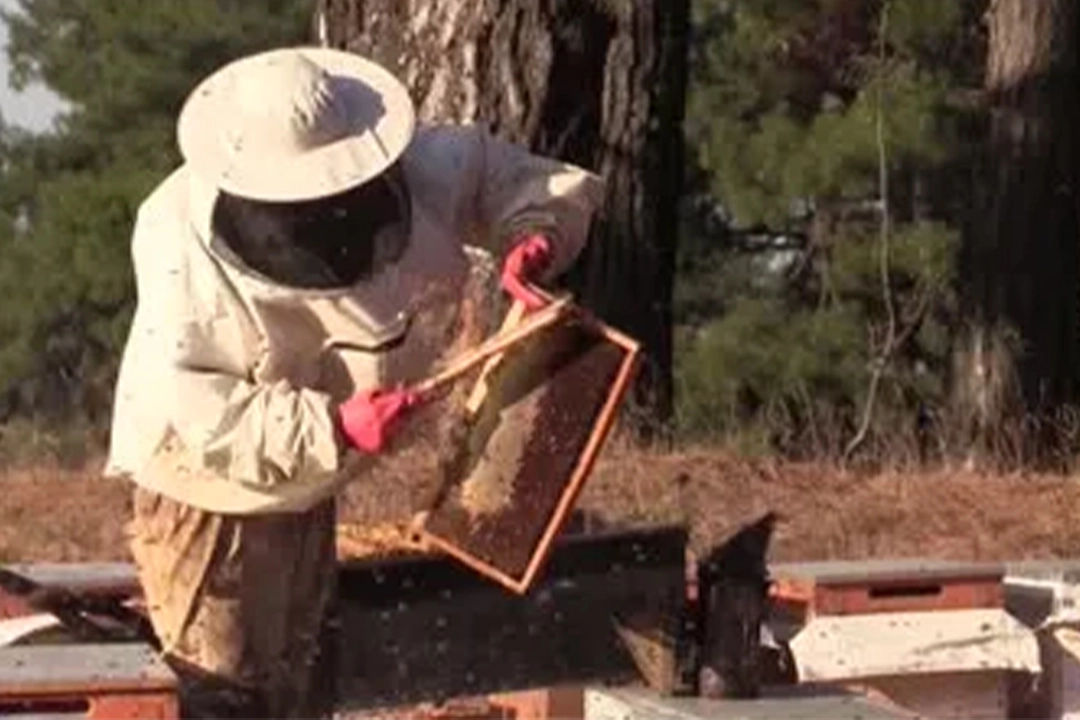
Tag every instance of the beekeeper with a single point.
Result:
(281, 273)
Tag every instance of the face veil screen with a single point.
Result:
(326, 243)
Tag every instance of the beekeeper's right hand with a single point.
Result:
(369, 418)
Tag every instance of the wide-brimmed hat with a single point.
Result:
(295, 124)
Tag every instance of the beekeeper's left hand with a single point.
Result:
(526, 261)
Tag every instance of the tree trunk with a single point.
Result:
(1022, 260)
(597, 83)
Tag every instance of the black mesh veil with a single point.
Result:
(326, 243)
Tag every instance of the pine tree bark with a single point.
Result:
(1022, 261)
(598, 83)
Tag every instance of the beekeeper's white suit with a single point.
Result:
(226, 400)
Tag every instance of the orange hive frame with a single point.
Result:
(583, 468)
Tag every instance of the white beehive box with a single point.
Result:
(931, 636)
(1046, 597)
(945, 664)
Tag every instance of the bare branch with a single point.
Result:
(889, 345)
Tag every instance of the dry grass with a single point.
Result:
(829, 513)
(50, 514)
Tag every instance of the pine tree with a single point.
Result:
(68, 199)
(826, 131)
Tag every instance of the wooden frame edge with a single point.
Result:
(586, 461)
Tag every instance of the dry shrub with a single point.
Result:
(827, 511)
(50, 513)
(832, 512)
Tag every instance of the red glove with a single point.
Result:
(529, 257)
(369, 418)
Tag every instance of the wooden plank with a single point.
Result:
(426, 630)
(45, 670)
(1065, 570)
(804, 703)
(135, 706)
(550, 704)
(116, 577)
(949, 696)
(848, 572)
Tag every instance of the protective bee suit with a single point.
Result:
(285, 274)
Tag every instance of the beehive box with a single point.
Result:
(1045, 595)
(96, 682)
(428, 629)
(931, 636)
(836, 588)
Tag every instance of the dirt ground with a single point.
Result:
(54, 515)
